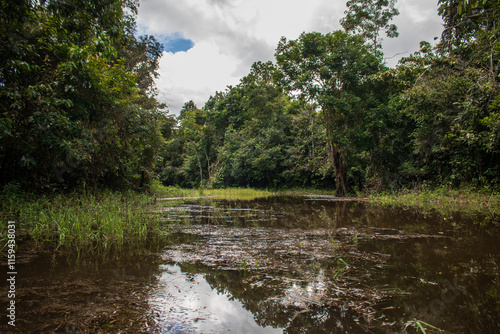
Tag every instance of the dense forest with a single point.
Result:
(78, 105)
(77, 95)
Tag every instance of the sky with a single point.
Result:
(211, 44)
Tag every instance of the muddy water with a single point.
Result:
(294, 265)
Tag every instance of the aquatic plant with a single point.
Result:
(87, 223)
(342, 266)
(420, 325)
(335, 245)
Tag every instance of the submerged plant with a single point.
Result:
(355, 238)
(243, 268)
(342, 266)
(420, 325)
(335, 245)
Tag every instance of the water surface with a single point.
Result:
(281, 264)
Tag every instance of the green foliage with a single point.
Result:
(333, 71)
(246, 136)
(330, 114)
(368, 17)
(450, 109)
(72, 109)
(466, 21)
(85, 223)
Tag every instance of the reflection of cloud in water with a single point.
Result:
(185, 303)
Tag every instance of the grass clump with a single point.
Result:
(440, 199)
(236, 193)
(225, 193)
(85, 223)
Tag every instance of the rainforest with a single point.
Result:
(325, 192)
(79, 108)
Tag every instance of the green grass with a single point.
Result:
(236, 193)
(232, 193)
(160, 190)
(97, 223)
(83, 223)
(440, 199)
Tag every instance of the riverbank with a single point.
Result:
(107, 221)
(440, 199)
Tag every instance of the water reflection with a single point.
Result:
(186, 303)
(281, 264)
(192, 298)
(401, 265)
(64, 294)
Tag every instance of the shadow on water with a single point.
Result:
(281, 264)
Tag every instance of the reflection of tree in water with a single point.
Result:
(403, 264)
(67, 294)
(265, 302)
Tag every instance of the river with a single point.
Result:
(281, 264)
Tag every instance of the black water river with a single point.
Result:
(278, 265)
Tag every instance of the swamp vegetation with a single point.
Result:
(129, 219)
(267, 263)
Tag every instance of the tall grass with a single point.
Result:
(97, 223)
(226, 193)
(85, 223)
(441, 199)
(237, 193)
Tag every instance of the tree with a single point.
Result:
(452, 139)
(332, 71)
(454, 101)
(253, 150)
(368, 17)
(465, 20)
(75, 102)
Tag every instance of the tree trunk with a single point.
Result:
(199, 162)
(208, 164)
(340, 170)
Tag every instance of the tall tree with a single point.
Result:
(332, 70)
(368, 17)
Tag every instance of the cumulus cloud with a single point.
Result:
(193, 75)
(229, 35)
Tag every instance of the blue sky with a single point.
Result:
(175, 42)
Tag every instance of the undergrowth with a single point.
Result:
(440, 199)
(81, 222)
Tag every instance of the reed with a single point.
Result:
(441, 199)
(86, 223)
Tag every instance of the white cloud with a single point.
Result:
(418, 21)
(230, 35)
(195, 75)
